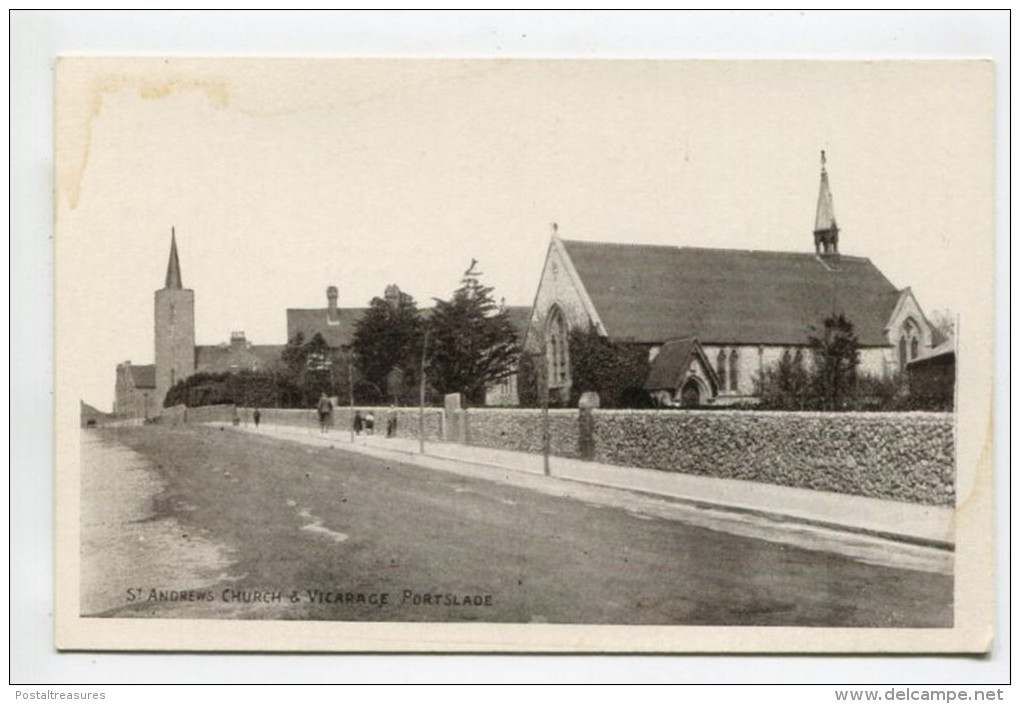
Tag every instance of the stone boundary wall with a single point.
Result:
(901, 456)
(517, 429)
(198, 414)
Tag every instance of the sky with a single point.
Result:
(282, 177)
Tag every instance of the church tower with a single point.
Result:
(826, 231)
(175, 328)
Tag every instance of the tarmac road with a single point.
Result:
(199, 522)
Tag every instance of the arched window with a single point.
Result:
(557, 352)
(720, 369)
(733, 370)
(913, 348)
(903, 353)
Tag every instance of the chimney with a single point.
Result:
(332, 314)
(392, 296)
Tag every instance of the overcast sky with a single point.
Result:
(284, 177)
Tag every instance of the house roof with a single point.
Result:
(309, 321)
(520, 318)
(143, 375)
(227, 358)
(649, 293)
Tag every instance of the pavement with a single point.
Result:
(916, 524)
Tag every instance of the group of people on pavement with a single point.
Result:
(324, 408)
(361, 422)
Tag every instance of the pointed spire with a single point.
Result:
(173, 267)
(826, 230)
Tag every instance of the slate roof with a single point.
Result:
(648, 293)
(227, 358)
(144, 376)
(309, 321)
(670, 366)
(946, 349)
(520, 318)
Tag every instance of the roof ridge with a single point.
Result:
(694, 248)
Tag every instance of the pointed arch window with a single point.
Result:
(903, 353)
(733, 370)
(720, 369)
(913, 348)
(557, 351)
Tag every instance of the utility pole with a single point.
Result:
(421, 394)
(350, 390)
(543, 394)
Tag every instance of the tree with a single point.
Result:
(309, 369)
(944, 322)
(836, 358)
(388, 338)
(615, 370)
(787, 385)
(472, 344)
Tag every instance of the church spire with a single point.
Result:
(826, 231)
(173, 267)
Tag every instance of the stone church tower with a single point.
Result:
(175, 328)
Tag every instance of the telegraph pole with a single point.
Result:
(421, 394)
(543, 394)
(350, 390)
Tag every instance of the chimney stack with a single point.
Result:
(332, 314)
(392, 296)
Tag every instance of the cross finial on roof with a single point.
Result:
(173, 267)
(823, 160)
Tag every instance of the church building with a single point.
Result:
(713, 320)
(140, 389)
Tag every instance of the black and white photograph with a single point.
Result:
(523, 355)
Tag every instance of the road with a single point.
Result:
(200, 522)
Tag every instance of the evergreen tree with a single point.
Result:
(471, 342)
(387, 344)
(836, 357)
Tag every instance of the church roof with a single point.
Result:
(670, 366)
(648, 293)
(946, 349)
(143, 375)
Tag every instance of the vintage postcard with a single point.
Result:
(524, 355)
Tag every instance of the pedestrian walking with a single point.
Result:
(370, 423)
(358, 422)
(257, 415)
(325, 409)
(391, 423)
